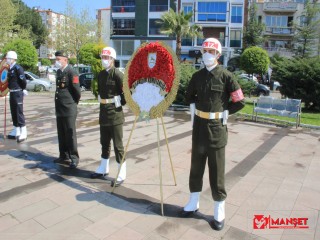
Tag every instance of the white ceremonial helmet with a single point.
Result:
(212, 43)
(109, 51)
(12, 55)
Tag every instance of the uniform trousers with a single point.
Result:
(116, 134)
(16, 108)
(67, 137)
(216, 164)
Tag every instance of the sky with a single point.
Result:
(60, 5)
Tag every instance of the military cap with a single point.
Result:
(61, 53)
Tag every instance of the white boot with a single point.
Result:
(219, 210)
(18, 132)
(104, 166)
(23, 135)
(123, 172)
(13, 133)
(193, 204)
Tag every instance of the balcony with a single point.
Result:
(283, 52)
(123, 31)
(279, 30)
(123, 9)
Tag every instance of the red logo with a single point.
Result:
(210, 45)
(267, 222)
(106, 52)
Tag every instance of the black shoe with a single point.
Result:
(98, 175)
(117, 183)
(11, 137)
(217, 225)
(186, 214)
(60, 160)
(73, 165)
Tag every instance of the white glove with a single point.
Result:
(25, 92)
(99, 98)
(117, 101)
(192, 112)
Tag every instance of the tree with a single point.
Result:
(89, 54)
(255, 60)
(29, 21)
(186, 72)
(27, 53)
(45, 62)
(306, 38)
(75, 31)
(299, 79)
(253, 32)
(178, 24)
(6, 21)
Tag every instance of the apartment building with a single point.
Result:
(133, 22)
(278, 17)
(53, 21)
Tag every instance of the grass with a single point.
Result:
(307, 117)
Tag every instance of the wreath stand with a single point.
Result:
(159, 156)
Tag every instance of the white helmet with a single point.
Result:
(12, 55)
(212, 43)
(109, 51)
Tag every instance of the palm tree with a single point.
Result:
(178, 24)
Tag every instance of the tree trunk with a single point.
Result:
(178, 48)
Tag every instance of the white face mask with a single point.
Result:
(106, 63)
(9, 61)
(208, 59)
(58, 64)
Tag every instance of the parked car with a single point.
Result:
(35, 82)
(260, 89)
(51, 74)
(85, 80)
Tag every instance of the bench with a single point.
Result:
(280, 107)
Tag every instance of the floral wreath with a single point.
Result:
(151, 80)
(4, 79)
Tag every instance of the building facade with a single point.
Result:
(278, 17)
(134, 22)
(104, 23)
(53, 21)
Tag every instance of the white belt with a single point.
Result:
(209, 115)
(105, 101)
(15, 90)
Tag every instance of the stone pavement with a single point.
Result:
(272, 173)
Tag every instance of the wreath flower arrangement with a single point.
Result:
(151, 80)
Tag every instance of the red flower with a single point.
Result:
(163, 69)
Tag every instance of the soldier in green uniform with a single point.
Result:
(111, 117)
(212, 93)
(67, 97)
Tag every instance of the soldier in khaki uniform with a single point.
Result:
(212, 93)
(67, 97)
(111, 118)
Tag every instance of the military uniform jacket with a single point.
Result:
(68, 92)
(210, 91)
(16, 78)
(110, 84)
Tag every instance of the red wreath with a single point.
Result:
(139, 68)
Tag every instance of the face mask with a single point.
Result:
(106, 63)
(58, 64)
(208, 59)
(8, 61)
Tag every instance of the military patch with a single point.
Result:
(21, 77)
(237, 95)
(75, 79)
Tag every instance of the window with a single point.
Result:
(236, 14)
(123, 26)
(186, 42)
(187, 9)
(154, 27)
(158, 5)
(212, 11)
(123, 5)
(276, 21)
(235, 38)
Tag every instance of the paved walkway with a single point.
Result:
(271, 172)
